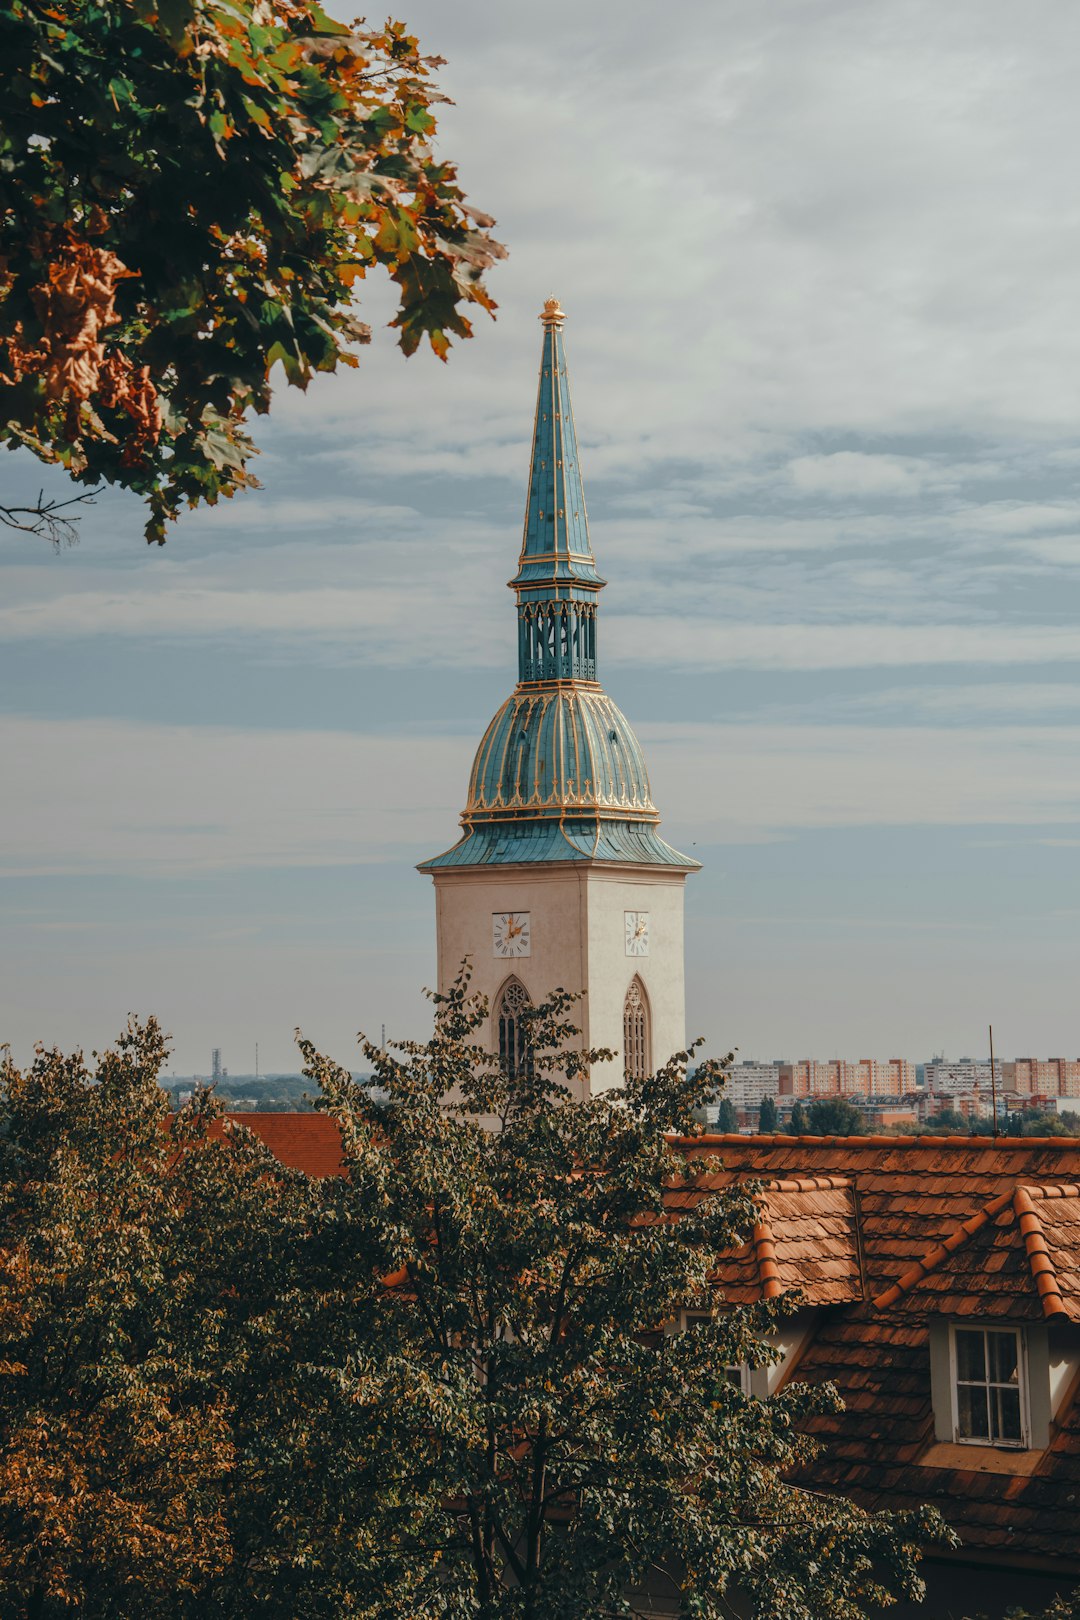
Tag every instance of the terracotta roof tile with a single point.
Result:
(919, 1206)
(923, 1208)
(308, 1142)
(805, 1238)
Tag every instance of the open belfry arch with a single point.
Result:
(560, 876)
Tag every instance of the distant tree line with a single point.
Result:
(836, 1116)
(269, 1094)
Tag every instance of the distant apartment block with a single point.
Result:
(1029, 1077)
(1044, 1077)
(966, 1075)
(751, 1083)
(840, 1077)
(963, 1084)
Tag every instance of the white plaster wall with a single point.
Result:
(578, 943)
(612, 893)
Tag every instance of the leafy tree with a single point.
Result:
(948, 1122)
(520, 1273)
(439, 1386)
(835, 1116)
(1060, 1608)
(183, 1429)
(799, 1124)
(1032, 1123)
(189, 191)
(727, 1120)
(115, 1447)
(768, 1120)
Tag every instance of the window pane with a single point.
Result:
(971, 1415)
(734, 1376)
(970, 1358)
(1005, 1405)
(1003, 1367)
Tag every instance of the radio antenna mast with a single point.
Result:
(993, 1080)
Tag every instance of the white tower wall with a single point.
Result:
(577, 938)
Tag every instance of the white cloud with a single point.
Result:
(820, 266)
(853, 473)
(951, 703)
(688, 643)
(103, 796)
(441, 620)
(725, 779)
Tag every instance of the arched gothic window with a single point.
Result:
(636, 1056)
(515, 1054)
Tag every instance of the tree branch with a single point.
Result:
(44, 518)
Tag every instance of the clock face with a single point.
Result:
(637, 933)
(511, 934)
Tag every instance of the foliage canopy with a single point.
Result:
(835, 1116)
(189, 190)
(443, 1384)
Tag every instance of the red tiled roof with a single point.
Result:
(805, 1238)
(1008, 1232)
(970, 1226)
(913, 1192)
(936, 1225)
(310, 1142)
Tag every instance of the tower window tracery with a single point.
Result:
(515, 1053)
(636, 1056)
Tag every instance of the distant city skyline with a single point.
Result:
(825, 354)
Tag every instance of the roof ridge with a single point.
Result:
(941, 1251)
(1067, 1189)
(1038, 1252)
(812, 1184)
(765, 1257)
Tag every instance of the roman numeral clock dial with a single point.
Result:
(637, 933)
(511, 933)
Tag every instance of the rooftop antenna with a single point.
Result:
(993, 1080)
(383, 1041)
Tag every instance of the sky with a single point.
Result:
(819, 261)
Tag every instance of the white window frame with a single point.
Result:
(1023, 1384)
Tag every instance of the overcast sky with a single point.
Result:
(819, 260)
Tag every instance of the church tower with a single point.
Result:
(560, 878)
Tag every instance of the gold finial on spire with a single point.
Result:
(551, 314)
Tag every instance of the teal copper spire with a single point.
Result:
(556, 583)
(559, 775)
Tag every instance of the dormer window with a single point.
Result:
(999, 1387)
(989, 1386)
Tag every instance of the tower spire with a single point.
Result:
(556, 583)
(559, 775)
